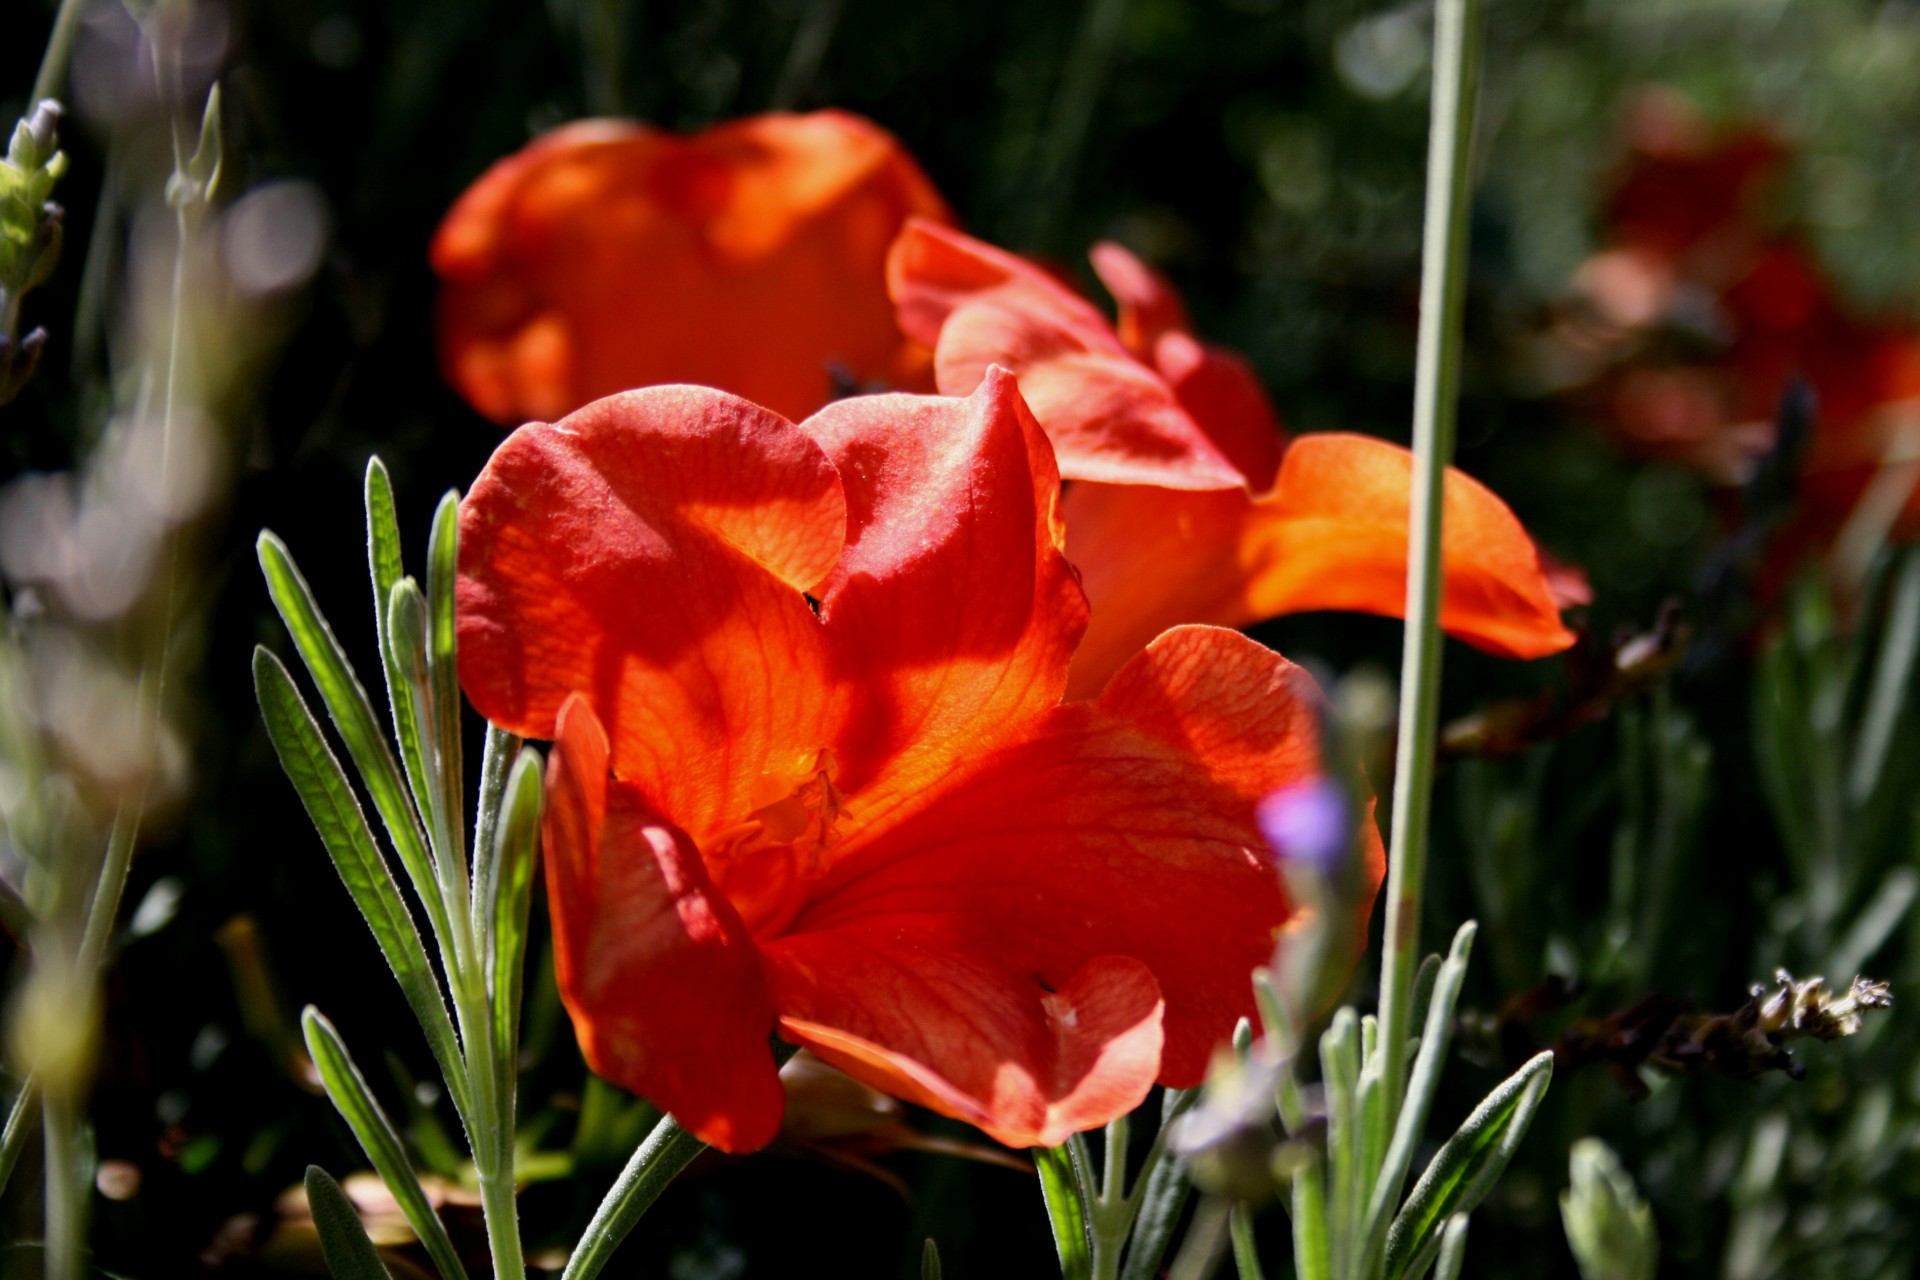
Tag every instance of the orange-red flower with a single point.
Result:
(608, 255)
(812, 772)
(1185, 508)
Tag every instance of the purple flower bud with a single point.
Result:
(1309, 824)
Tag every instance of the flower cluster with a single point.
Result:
(866, 734)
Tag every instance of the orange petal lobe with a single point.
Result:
(1333, 535)
(650, 551)
(661, 980)
(952, 609)
(609, 255)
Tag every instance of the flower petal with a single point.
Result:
(650, 551)
(1025, 1062)
(1336, 538)
(1123, 827)
(1110, 417)
(952, 613)
(1149, 305)
(933, 270)
(663, 984)
(1332, 535)
(609, 255)
(1219, 391)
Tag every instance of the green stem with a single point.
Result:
(51, 79)
(19, 1124)
(66, 1223)
(1456, 81)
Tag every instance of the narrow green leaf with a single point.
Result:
(1892, 680)
(1163, 1193)
(1423, 1081)
(1061, 1186)
(1340, 1079)
(346, 702)
(1246, 1257)
(386, 566)
(323, 789)
(1466, 1167)
(516, 843)
(930, 1260)
(349, 1253)
(1423, 980)
(20, 1117)
(667, 1150)
(1312, 1250)
(1453, 1248)
(348, 1090)
(443, 569)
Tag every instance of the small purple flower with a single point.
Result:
(1309, 825)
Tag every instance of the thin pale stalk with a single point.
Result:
(66, 1223)
(19, 1125)
(52, 76)
(1456, 82)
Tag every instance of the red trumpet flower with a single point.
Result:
(1185, 508)
(813, 776)
(609, 255)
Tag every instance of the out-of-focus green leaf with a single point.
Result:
(1466, 1167)
(323, 789)
(1609, 1227)
(930, 1260)
(349, 1253)
(1453, 1248)
(348, 1090)
(1246, 1256)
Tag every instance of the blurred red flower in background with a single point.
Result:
(812, 772)
(1709, 308)
(1187, 504)
(750, 256)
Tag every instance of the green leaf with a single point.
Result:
(348, 1090)
(1163, 1197)
(509, 885)
(386, 567)
(322, 786)
(1609, 1227)
(1061, 1186)
(343, 1237)
(1423, 1082)
(930, 1260)
(1340, 1078)
(667, 1150)
(346, 702)
(1466, 1167)
(1246, 1257)
(443, 570)
(20, 1118)
(1453, 1248)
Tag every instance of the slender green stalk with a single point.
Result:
(66, 1222)
(53, 63)
(1456, 82)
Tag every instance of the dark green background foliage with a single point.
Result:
(1268, 154)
